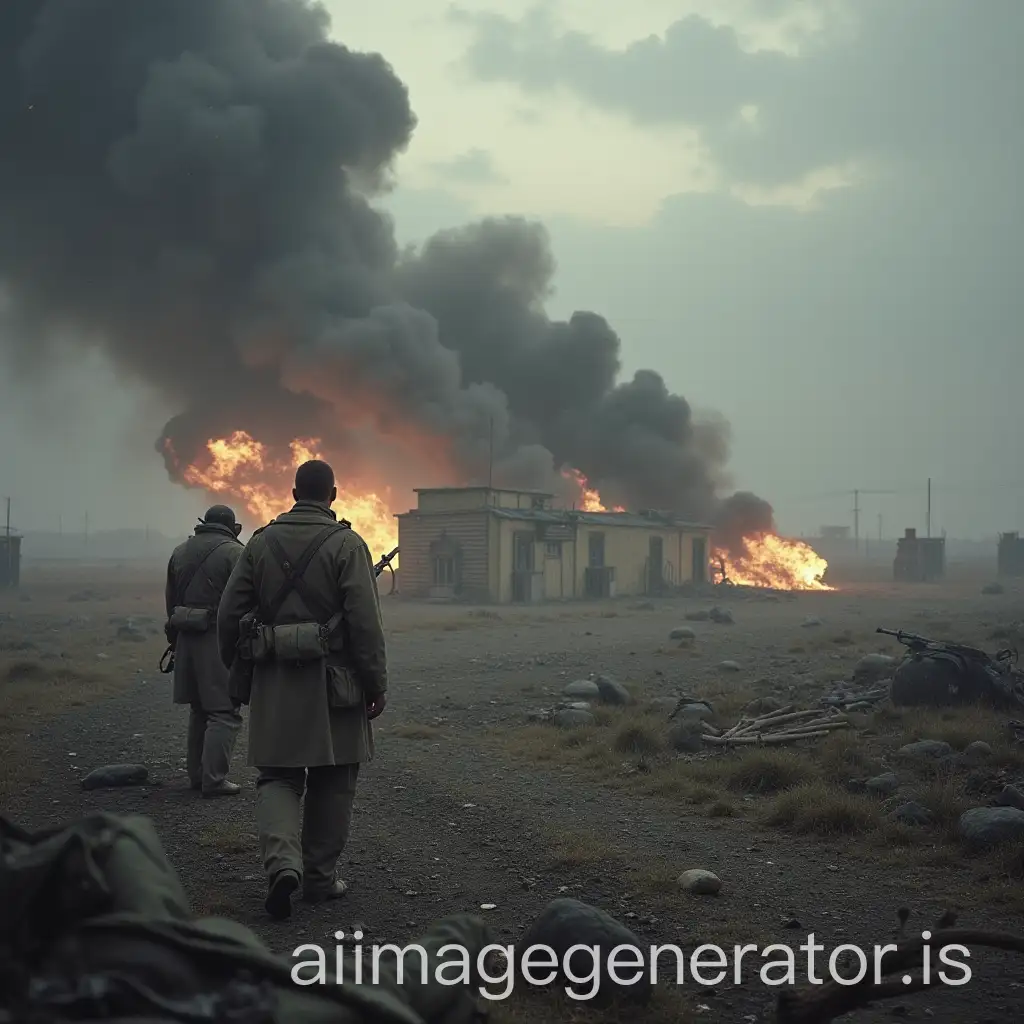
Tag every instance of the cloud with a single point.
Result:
(918, 81)
(472, 167)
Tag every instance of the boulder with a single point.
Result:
(565, 923)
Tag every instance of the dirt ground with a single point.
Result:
(469, 804)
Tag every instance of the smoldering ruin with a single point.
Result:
(207, 217)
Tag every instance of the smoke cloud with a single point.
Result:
(186, 183)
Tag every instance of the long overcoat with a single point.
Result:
(303, 716)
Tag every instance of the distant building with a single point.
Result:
(1011, 555)
(501, 546)
(919, 559)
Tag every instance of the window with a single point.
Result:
(444, 571)
(553, 549)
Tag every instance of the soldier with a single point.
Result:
(306, 587)
(196, 574)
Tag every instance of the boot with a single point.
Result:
(279, 895)
(334, 891)
(224, 788)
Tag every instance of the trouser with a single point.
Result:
(211, 742)
(312, 853)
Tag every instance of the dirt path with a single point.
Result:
(446, 824)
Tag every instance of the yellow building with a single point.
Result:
(499, 546)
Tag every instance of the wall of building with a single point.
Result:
(469, 498)
(468, 531)
(627, 548)
(556, 563)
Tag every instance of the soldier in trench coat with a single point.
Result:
(309, 720)
(196, 574)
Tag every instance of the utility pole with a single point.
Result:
(7, 555)
(879, 527)
(490, 456)
(60, 525)
(85, 533)
(856, 522)
(928, 521)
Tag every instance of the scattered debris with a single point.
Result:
(722, 616)
(683, 633)
(811, 621)
(729, 666)
(925, 750)
(787, 725)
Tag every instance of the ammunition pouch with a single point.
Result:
(293, 642)
(342, 690)
(189, 620)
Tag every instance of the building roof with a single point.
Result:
(482, 487)
(569, 517)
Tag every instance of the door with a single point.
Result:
(655, 562)
(700, 559)
(595, 557)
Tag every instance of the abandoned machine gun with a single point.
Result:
(938, 673)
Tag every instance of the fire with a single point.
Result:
(589, 500)
(773, 561)
(240, 467)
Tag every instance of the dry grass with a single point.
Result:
(582, 849)
(816, 809)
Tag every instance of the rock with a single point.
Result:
(585, 688)
(763, 706)
(697, 615)
(811, 620)
(728, 666)
(611, 691)
(571, 718)
(982, 828)
(883, 785)
(1011, 796)
(686, 738)
(913, 813)
(700, 882)
(924, 750)
(574, 705)
(979, 750)
(722, 616)
(873, 668)
(696, 712)
(682, 633)
(538, 716)
(993, 588)
(113, 775)
(565, 923)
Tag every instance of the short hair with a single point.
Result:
(314, 481)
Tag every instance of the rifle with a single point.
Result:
(385, 563)
(919, 644)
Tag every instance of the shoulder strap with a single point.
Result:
(189, 574)
(293, 572)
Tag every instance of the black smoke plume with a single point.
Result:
(184, 182)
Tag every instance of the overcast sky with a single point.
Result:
(806, 216)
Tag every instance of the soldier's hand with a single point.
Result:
(375, 706)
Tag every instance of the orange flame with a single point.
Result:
(241, 467)
(773, 561)
(589, 500)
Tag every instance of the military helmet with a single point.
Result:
(221, 515)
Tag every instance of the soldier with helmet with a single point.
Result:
(197, 573)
